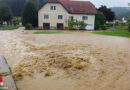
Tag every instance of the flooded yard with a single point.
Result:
(68, 61)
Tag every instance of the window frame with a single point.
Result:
(46, 16)
(53, 7)
(61, 17)
(84, 17)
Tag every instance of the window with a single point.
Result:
(53, 7)
(60, 17)
(46, 16)
(85, 18)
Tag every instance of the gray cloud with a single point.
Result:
(109, 3)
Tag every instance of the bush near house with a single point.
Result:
(103, 27)
(76, 24)
(28, 26)
(82, 25)
(71, 24)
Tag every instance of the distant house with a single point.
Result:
(55, 14)
(124, 20)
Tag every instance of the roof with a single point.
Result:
(76, 7)
(53, 1)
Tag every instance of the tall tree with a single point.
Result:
(38, 3)
(16, 6)
(30, 14)
(5, 13)
(100, 20)
(109, 14)
(41, 3)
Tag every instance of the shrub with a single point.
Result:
(28, 26)
(123, 24)
(82, 25)
(103, 27)
(109, 25)
(72, 23)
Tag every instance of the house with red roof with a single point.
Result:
(55, 14)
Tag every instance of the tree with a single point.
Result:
(5, 13)
(30, 14)
(16, 6)
(109, 14)
(41, 3)
(72, 23)
(36, 3)
(99, 20)
(128, 21)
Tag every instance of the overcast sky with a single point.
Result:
(109, 3)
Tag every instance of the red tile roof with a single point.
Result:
(53, 1)
(76, 7)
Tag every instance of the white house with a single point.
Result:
(55, 14)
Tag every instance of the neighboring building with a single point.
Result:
(124, 20)
(55, 14)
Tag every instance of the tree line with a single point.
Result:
(18, 5)
(104, 14)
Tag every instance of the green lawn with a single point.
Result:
(10, 27)
(121, 29)
(121, 34)
(49, 32)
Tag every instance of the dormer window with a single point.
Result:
(53, 7)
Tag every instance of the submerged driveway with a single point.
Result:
(70, 61)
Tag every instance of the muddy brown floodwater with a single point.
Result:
(70, 61)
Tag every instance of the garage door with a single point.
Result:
(60, 26)
(46, 26)
(89, 27)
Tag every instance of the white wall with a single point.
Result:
(53, 16)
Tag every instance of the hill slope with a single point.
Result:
(121, 12)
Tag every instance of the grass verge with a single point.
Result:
(49, 32)
(121, 34)
(121, 29)
(10, 27)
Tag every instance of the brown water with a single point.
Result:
(72, 61)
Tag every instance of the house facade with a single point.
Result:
(55, 14)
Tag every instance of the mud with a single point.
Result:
(73, 61)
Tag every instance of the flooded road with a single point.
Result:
(70, 61)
